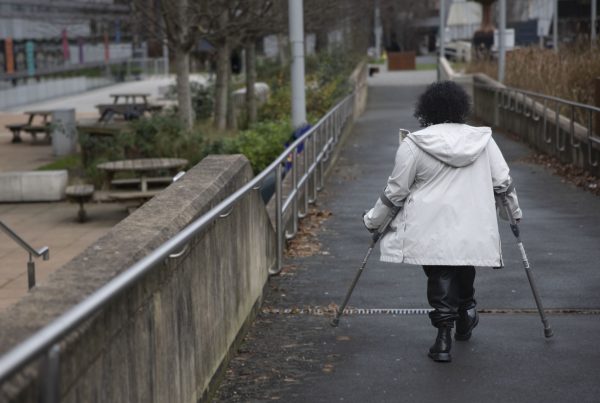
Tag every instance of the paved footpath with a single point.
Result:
(296, 357)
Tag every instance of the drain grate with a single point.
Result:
(325, 311)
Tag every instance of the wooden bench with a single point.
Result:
(33, 130)
(160, 181)
(80, 194)
(16, 132)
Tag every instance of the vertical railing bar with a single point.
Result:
(314, 173)
(547, 138)
(557, 124)
(590, 134)
(322, 152)
(278, 220)
(294, 215)
(574, 143)
(30, 272)
(49, 387)
(496, 108)
(306, 162)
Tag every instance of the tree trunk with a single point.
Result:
(251, 107)
(222, 86)
(231, 112)
(321, 40)
(184, 96)
(282, 46)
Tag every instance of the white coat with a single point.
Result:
(445, 177)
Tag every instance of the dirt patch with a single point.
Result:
(306, 242)
(568, 172)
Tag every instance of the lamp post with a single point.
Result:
(555, 27)
(442, 38)
(502, 41)
(296, 21)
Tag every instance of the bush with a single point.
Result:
(261, 144)
(568, 74)
(154, 137)
(327, 82)
(203, 98)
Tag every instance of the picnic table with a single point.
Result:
(32, 127)
(142, 168)
(134, 106)
(130, 96)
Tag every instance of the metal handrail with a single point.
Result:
(46, 339)
(592, 141)
(43, 252)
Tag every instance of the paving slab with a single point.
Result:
(380, 358)
(47, 224)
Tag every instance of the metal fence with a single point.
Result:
(579, 126)
(309, 156)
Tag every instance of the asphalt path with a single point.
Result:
(377, 357)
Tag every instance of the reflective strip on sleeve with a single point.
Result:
(384, 199)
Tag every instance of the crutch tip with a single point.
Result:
(334, 322)
(548, 333)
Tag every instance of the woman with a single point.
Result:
(444, 177)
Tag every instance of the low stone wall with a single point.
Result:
(33, 186)
(164, 338)
(48, 89)
(524, 118)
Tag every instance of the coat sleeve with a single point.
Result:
(502, 182)
(397, 188)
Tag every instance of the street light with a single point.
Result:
(296, 21)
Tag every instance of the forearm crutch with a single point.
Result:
(515, 230)
(374, 238)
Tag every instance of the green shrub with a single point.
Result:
(261, 144)
(154, 137)
(203, 98)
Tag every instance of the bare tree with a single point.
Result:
(182, 22)
(261, 18)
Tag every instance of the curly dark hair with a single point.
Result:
(442, 102)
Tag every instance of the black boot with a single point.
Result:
(467, 320)
(440, 351)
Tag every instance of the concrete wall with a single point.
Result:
(164, 339)
(523, 117)
(33, 186)
(48, 88)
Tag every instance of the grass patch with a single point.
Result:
(427, 66)
(68, 162)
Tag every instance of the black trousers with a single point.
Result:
(449, 291)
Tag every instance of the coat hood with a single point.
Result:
(455, 144)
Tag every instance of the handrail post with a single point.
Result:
(30, 272)
(313, 182)
(305, 176)
(49, 387)
(43, 252)
(278, 219)
(295, 195)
